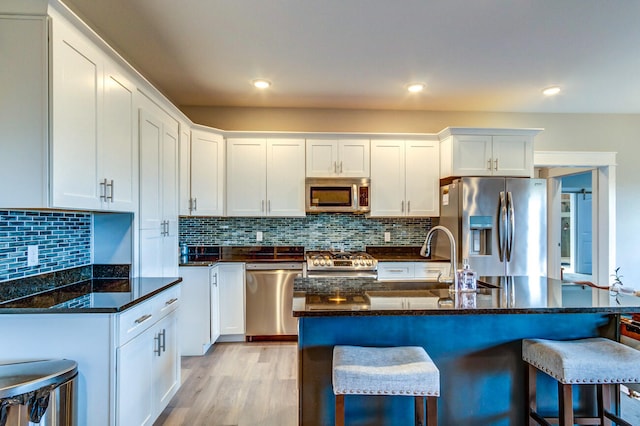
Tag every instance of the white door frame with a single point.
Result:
(604, 208)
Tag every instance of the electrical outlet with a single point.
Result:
(259, 236)
(387, 237)
(32, 256)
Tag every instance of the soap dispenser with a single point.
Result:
(466, 277)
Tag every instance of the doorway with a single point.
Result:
(576, 232)
(601, 166)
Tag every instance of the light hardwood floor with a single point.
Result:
(237, 384)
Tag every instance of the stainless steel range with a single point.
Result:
(341, 263)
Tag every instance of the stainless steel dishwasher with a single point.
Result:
(269, 297)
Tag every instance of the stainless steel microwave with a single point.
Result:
(338, 195)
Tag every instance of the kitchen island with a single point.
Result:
(122, 333)
(474, 339)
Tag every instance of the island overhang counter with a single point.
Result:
(474, 339)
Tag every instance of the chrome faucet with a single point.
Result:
(425, 251)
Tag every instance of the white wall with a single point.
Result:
(563, 132)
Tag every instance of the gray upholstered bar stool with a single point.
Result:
(403, 370)
(598, 361)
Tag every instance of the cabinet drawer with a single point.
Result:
(395, 270)
(166, 302)
(430, 270)
(137, 319)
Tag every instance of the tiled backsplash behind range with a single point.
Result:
(317, 231)
(63, 240)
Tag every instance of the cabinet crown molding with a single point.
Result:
(450, 131)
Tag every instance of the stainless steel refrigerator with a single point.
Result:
(499, 224)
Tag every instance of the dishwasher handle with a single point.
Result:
(273, 266)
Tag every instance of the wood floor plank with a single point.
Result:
(237, 384)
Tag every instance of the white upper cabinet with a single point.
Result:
(265, 177)
(158, 216)
(205, 176)
(486, 152)
(404, 178)
(330, 158)
(24, 112)
(118, 149)
(93, 151)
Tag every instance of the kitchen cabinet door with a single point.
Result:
(77, 103)
(214, 305)
(118, 148)
(134, 380)
(387, 178)
(331, 158)
(184, 166)
(24, 123)
(321, 157)
(158, 194)
(513, 156)
(285, 177)
(207, 174)
(166, 362)
(246, 175)
(197, 301)
(422, 174)
(231, 283)
(354, 157)
(472, 155)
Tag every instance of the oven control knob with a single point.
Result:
(323, 262)
(315, 262)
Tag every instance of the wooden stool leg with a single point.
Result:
(419, 402)
(340, 410)
(531, 402)
(432, 411)
(565, 401)
(604, 403)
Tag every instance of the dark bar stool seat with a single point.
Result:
(403, 370)
(598, 361)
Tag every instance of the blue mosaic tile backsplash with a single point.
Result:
(63, 240)
(314, 232)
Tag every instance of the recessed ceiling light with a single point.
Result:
(416, 87)
(550, 91)
(261, 84)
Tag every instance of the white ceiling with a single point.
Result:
(474, 55)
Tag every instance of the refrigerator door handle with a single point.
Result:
(502, 227)
(512, 226)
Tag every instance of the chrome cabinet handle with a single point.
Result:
(103, 189)
(163, 336)
(402, 206)
(489, 164)
(110, 186)
(261, 206)
(143, 319)
(495, 164)
(190, 204)
(335, 167)
(215, 280)
(171, 301)
(395, 270)
(340, 166)
(409, 206)
(157, 350)
(269, 206)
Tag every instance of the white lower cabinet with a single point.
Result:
(419, 271)
(200, 316)
(231, 283)
(148, 359)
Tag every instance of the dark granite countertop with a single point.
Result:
(209, 255)
(401, 254)
(97, 295)
(495, 295)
